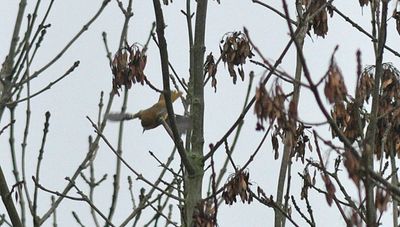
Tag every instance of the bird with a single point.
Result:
(155, 115)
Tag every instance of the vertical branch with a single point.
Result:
(128, 14)
(374, 25)
(24, 141)
(5, 84)
(9, 62)
(37, 177)
(92, 185)
(14, 163)
(15, 36)
(188, 15)
(370, 140)
(117, 175)
(287, 150)
(189, 165)
(194, 181)
(395, 181)
(193, 163)
(55, 213)
(288, 140)
(214, 189)
(160, 25)
(197, 107)
(8, 202)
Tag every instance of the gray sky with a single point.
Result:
(77, 96)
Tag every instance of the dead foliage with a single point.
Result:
(127, 67)
(319, 12)
(235, 49)
(237, 185)
(204, 215)
(210, 68)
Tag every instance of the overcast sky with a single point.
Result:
(77, 96)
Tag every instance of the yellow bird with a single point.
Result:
(155, 115)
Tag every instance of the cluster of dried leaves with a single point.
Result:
(382, 198)
(351, 117)
(353, 167)
(363, 2)
(275, 144)
(347, 114)
(210, 68)
(127, 67)
(307, 183)
(237, 185)
(270, 106)
(301, 141)
(335, 89)
(348, 118)
(330, 189)
(354, 219)
(319, 22)
(235, 49)
(389, 113)
(205, 214)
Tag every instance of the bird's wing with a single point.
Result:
(183, 123)
(174, 96)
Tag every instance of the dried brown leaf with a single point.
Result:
(363, 2)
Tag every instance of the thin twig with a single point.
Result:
(270, 203)
(108, 55)
(25, 139)
(297, 208)
(88, 201)
(77, 219)
(38, 165)
(70, 70)
(164, 166)
(214, 189)
(139, 176)
(275, 11)
(3, 220)
(358, 27)
(14, 163)
(53, 199)
(257, 149)
(142, 203)
(163, 215)
(6, 126)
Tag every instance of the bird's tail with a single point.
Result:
(121, 116)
